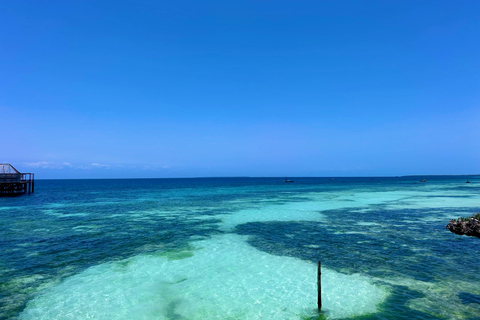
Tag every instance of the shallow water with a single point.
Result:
(240, 248)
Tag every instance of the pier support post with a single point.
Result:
(319, 286)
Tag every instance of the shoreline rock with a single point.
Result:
(469, 228)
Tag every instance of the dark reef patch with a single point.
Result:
(467, 297)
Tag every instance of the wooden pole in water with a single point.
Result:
(319, 286)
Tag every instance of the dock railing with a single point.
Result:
(29, 180)
(13, 182)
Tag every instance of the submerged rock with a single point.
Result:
(469, 228)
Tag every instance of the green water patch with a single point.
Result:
(225, 278)
(177, 255)
(58, 247)
(388, 230)
(425, 260)
(72, 227)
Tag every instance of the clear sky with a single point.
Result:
(100, 89)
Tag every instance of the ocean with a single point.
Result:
(240, 248)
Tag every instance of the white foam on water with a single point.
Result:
(224, 279)
(367, 224)
(56, 213)
(8, 208)
(352, 232)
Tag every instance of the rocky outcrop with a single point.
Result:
(469, 228)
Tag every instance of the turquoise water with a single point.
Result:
(239, 248)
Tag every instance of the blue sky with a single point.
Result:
(114, 89)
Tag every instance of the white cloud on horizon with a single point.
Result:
(94, 165)
(43, 165)
(99, 165)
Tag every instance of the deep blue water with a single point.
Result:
(386, 235)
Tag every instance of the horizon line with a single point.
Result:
(271, 177)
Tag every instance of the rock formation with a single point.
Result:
(469, 228)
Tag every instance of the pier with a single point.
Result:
(13, 182)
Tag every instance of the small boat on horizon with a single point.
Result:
(286, 180)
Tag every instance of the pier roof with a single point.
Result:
(7, 168)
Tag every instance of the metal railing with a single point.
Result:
(14, 182)
(27, 177)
